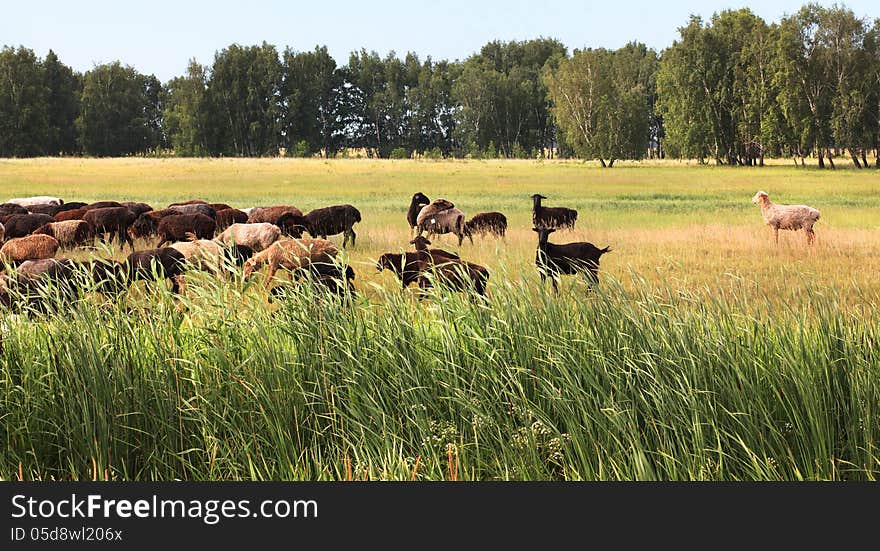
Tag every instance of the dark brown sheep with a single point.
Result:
(569, 258)
(454, 274)
(112, 220)
(73, 205)
(48, 208)
(8, 209)
(487, 223)
(161, 263)
(73, 214)
(415, 205)
(219, 206)
(20, 225)
(195, 208)
(147, 223)
(551, 217)
(137, 208)
(228, 217)
(177, 227)
(323, 222)
(406, 265)
(102, 205)
(190, 202)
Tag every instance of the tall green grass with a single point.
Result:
(616, 384)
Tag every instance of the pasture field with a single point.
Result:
(706, 353)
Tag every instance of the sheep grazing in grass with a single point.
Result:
(487, 223)
(441, 217)
(228, 217)
(257, 236)
(404, 265)
(551, 217)
(322, 223)
(20, 225)
(292, 254)
(219, 206)
(47, 208)
(415, 205)
(189, 202)
(454, 274)
(177, 227)
(30, 247)
(787, 217)
(73, 205)
(70, 234)
(102, 205)
(36, 200)
(137, 208)
(325, 276)
(8, 209)
(113, 220)
(29, 285)
(162, 263)
(72, 214)
(553, 259)
(271, 214)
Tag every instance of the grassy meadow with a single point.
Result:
(707, 352)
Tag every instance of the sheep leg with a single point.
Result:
(776, 233)
(811, 235)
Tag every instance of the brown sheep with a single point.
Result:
(258, 236)
(271, 214)
(323, 222)
(70, 234)
(73, 214)
(20, 225)
(176, 227)
(415, 205)
(228, 217)
(102, 205)
(487, 223)
(553, 259)
(112, 220)
(787, 217)
(165, 263)
(454, 274)
(31, 247)
(551, 217)
(292, 254)
(136, 208)
(441, 217)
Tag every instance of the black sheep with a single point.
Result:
(177, 227)
(8, 209)
(48, 208)
(195, 208)
(161, 263)
(137, 208)
(551, 217)
(112, 220)
(102, 205)
(494, 223)
(73, 205)
(20, 225)
(452, 273)
(569, 258)
(323, 222)
(415, 205)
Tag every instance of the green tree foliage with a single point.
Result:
(120, 111)
(24, 117)
(184, 119)
(64, 88)
(311, 92)
(502, 97)
(243, 101)
(601, 101)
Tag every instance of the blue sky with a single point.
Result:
(160, 36)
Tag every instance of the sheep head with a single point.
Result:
(420, 242)
(761, 198)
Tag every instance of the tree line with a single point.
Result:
(732, 90)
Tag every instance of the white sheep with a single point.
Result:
(787, 217)
(36, 200)
(257, 235)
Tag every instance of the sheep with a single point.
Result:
(451, 273)
(101, 205)
(20, 225)
(8, 209)
(73, 214)
(415, 205)
(227, 217)
(257, 236)
(36, 200)
(327, 276)
(271, 214)
(207, 254)
(292, 254)
(569, 258)
(323, 222)
(404, 265)
(492, 223)
(46, 208)
(787, 217)
(440, 217)
(194, 208)
(31, 247)
(69, 234)
(190, 202)
(164, 263)
(147, 223)
(113, 220)
(73, 205)
(219, 206)
(29, 284)
(175, 227)
(551, 217)
(136, 208)
(2, 233)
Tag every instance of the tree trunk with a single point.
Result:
(761, 158)
(821, 158)
(601, 160)
(864, 158)
(855, 158)
(831, 160)
(610, 163)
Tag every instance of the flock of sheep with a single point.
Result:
(202, 235)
